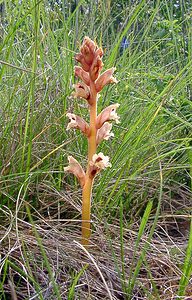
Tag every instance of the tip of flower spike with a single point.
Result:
(87, 51)
(92, 44)
(90, 57)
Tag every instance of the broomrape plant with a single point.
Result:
(99, 128)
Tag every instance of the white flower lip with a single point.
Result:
(73, 121)
(113, 114)
(77, 122)
(100, 161)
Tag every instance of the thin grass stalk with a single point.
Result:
(56, 288)
(28, 259)
(123, 272)
(31, 99)
(71, 294)
(132, 281)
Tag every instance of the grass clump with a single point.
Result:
(142, 204)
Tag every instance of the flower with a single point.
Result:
(80, 58)
(76, 169)
(84, 76)
(109, 113)
(81, 91)
(104, 132)
(98, 163)
(96, 67)
(105, 79)
(77, 123)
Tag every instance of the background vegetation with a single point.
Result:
(142, 229)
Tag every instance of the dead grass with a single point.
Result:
(22, 261)
(56, 229)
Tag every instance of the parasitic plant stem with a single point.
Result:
(93, 119)
(86, 210)
(87, 189)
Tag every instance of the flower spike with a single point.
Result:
(109, 113)
(77, 122)
(76, 169)
(99, 127)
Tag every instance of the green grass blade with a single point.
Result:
(187, 267)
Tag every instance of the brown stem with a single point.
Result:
(87, 189)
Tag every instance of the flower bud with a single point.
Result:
(76, 169)
(109, 113)
(98, 163)
(96, 68)
(105, 79)
(88, 50)
(104, 132)
(80, 58)
(77, 123)
(91, 44)
(99, 52)
(84, 76)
